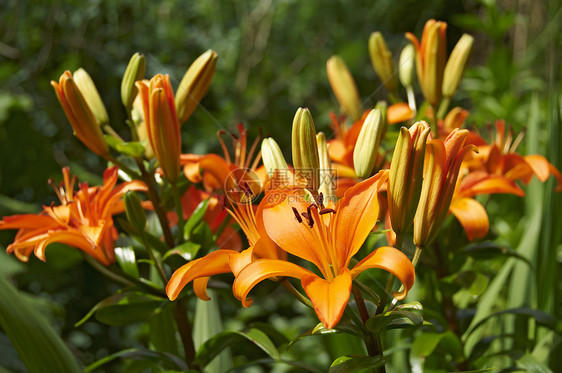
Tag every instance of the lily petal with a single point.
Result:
(391, 260)
(399, 112)
(214, 263)
(472, 216)
(356, 215)
(263, 269)
(328, 297)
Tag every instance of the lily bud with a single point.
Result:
(272, 157)
(381, 58)
(162, 123)
(135, 71)
(406, 65)
(91, 95)
(406, 175)
(195, 84)
(367, 146)
(455, 119)
(344, 87)
(134, 210)
(305, 149)
(430, 59)
(456, 65)
(441, 170)
(327, 177)
(79, 114)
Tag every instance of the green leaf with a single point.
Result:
(212, 347)
(124, 308)
(381, 322)
(351, 364)
(412, 306)
(125, 257)
(529, 364)
(139, 354)
(187, 250)
(540, 317)
(31, 334)
(487, 250)
(426, 343)
(195, 218)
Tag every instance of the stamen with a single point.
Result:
(320, 199)
(297, 216)
(223, 146)
(57, 190)
(327, 211)
(222, 201)
(308, 217)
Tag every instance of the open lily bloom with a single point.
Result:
(226, 173)
(328, 238)
(500, 158)
(83, 220)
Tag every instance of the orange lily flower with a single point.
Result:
(499, 158)
(226, 174)
(469, 212)
(328, 238)
(225, 260)
(83, 220)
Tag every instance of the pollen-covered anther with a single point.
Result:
(327, 211)
(308, 218)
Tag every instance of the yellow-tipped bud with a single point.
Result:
(406, 175)
(327, 178)
(84, 123)
(367, 146)
(381, 58)
(441, 170)
(344, 87)
(272, 157)
(91, 95)
(162, 123)
(455, 119)
(305, 149)
(406, 65)
(430, 59)
(135, 212)
(456, 65)
(195, 84)
(135, 71)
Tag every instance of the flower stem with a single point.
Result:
(186, 334)
(443, 108)
(155, 260)
(297, 294)
(179, 210)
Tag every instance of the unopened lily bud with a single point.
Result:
(305, 149)
(162, 123)
(456, 65)
(440, 175)
(90, 93)
(327, 177)
(430, 59)
(381, 58)
(455, 119)
(84, 123)
(406, 65)
(272, 157)
(381, 105)
(134, 210)
(367, 146)
(135, 71)
(406, 175)
(195, 84)
(344, 87)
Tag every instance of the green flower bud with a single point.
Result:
(327, 178)
(305, 150)
(367, 146)
(406, 65)
(91, 95)
(381, 58)
(135, 71)
(344, 87)
(456, 65)
(272, 157)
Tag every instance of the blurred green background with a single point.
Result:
(272, 57)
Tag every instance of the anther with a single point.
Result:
(297, 216)
(320, 200)
(327, 211)
(308, 218)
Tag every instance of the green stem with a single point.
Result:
(443, 108)
(186, 334)
(122, 166)
(297, 294)
(153, 196)
(372, 341)
(433, 122)
(179, 211)
(154, 259)
(390, 281)
(411, 98)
